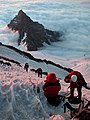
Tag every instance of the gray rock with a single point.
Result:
(33, 34)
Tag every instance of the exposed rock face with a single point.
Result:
(32, 34)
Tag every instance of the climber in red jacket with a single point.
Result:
(51, 89)
(76, 80)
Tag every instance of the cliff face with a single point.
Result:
(32, 34)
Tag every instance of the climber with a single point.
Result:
(26, 67)
(76, 80)
(51, 89)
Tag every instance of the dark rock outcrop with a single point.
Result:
(32, 34)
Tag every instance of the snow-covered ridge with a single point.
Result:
(20, 99)
(70, 16)
(21, 57)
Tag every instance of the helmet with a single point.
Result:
(73, 78)
(51, 77)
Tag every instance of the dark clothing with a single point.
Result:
(75, 111)
(67, 105)
(39, 71)
(78, 90)
(54, 101)
(26, 67)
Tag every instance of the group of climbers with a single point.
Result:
(38, 70)
(52, 87)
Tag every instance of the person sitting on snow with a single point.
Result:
(76, 80)
(51, 89)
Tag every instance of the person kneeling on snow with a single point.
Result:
(51, 89)
(76, 80)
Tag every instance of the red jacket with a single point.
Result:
(80, 80)
(51, 86)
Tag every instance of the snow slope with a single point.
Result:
(72, 17)
(19, 99)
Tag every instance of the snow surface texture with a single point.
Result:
(19, 99)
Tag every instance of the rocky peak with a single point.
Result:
(33, 34)
(21, 13)
(22, 16)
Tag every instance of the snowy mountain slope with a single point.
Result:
(19, 99)
(70, 16)
(82, 64)
(22, 57)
